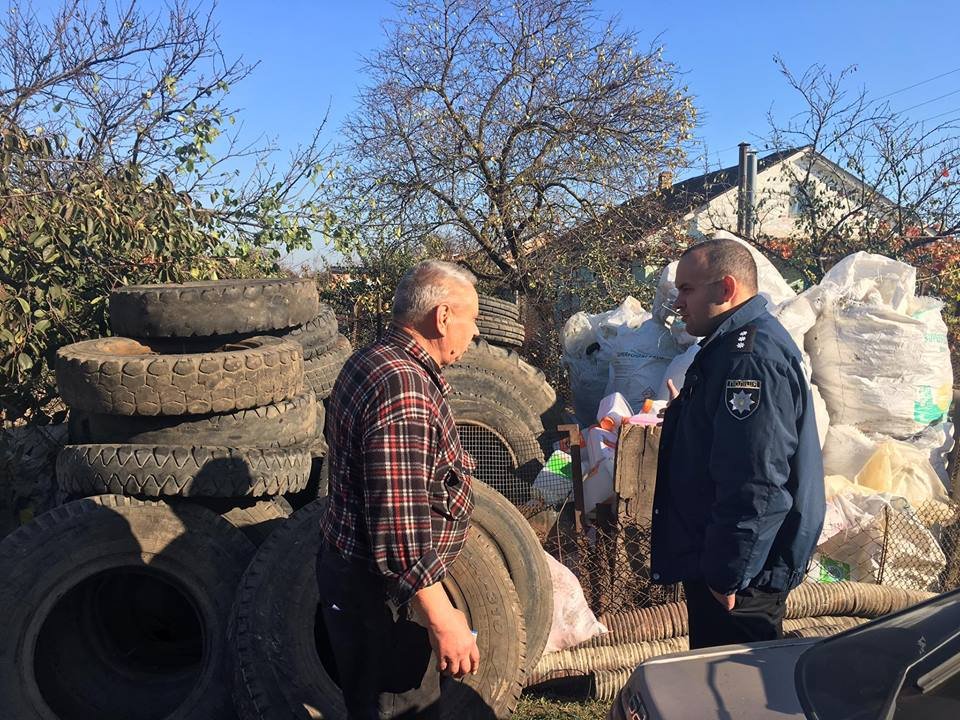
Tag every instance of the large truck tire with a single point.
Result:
(277, 640)
(216, 307)
(502, 376)
(280, 424)
(120, 376)
(154, 471)
(507, 451)
(511, 536)
(118, 608)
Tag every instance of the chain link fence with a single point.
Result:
(897, 546)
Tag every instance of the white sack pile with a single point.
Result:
(879, 369)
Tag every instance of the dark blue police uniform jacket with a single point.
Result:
(739, 499)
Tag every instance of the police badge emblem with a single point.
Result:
(742, 398)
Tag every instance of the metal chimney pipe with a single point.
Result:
(741, 186)
(750, 194)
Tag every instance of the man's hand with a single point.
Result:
(726, 601)
(672, 389)
(450, 636)
(674, 393)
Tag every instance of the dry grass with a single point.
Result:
(534, 707)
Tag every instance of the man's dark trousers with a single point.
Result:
(383, 658)
(756, 615)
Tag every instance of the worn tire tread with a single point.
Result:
(154, 471)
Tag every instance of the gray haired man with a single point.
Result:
(400, 504)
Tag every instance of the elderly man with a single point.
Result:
(739, 499)
(399, 505)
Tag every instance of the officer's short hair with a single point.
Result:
(728, 257)
(426, 285)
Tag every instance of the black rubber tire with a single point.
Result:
(511, 535)
(120, 376)
(215, 307)
(321, 372)
(492, 306)
(282, 424)
(502, 377)
(517, 458)
(317, 336)
(277, 666)
(258, 520)
(507, 327)
(153, 471)
(501, 333)
(67, 654)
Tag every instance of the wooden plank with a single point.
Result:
(635, 471)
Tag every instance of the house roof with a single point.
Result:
(682, 197)
(652, 210)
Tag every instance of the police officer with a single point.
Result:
(739, 500)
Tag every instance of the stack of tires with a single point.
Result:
(503, 405)
(499, 322)
(144, 595)
(185, 431)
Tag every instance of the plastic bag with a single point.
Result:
(573, 620)
(848, 449)
(589, 343)
(904, 471)
(677, 371)
(880, 356)
(554, 482)
(639, 359)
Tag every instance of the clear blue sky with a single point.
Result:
(310, 57)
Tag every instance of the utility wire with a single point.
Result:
(917, 84)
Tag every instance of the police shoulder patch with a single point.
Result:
(742, 398)
(744, 339)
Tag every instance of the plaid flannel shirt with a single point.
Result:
(400, 482)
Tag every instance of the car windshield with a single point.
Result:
(903, 666)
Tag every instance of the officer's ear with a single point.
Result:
(728, 288)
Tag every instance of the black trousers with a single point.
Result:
(384, 662)
(756, 615)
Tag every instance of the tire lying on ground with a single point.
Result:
(120, 376)
(117, 608)
(219, 307)
(277, 641)
(513, 538)
(501, 376)
(181, 470)
(280, 424)
(321, 372)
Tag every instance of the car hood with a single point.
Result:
(733, 682)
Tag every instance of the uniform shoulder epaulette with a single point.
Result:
(744, 339)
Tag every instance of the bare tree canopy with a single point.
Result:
(898, 192)
(494, 126)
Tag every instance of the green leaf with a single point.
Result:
(24, 305)
(24, 362)
(42, 326)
